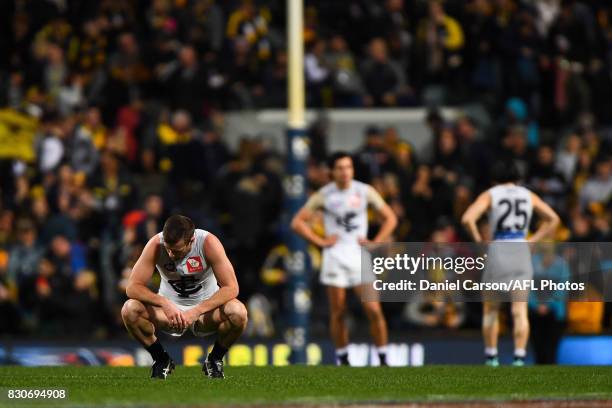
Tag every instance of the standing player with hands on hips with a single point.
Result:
(198, 292)
(510, 207)
(344, 203)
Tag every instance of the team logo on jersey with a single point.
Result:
(347, 221)
(185, 286)
(194, 264)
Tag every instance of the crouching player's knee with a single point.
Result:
(131, 311)
(236, 313)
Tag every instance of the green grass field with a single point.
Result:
(108, 386)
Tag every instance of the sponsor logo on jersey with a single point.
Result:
(354, 201)
(194, 264)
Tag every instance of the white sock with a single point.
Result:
(382, 349)
(520, 353)
(490, 351)
(342, 351)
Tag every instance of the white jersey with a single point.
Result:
(190, 280)
(345, 214)
(510, 213)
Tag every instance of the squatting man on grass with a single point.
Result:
(198, 292)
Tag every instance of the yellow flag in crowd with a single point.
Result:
(17, 132)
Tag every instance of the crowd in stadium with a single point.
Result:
(114, 114)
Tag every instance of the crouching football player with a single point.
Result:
(197, 292)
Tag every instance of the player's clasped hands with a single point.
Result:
(174, 315)
(191, 316)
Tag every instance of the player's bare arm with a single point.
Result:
(389, 223)
(389, 219)
(550, 219)
(226, 279)
(301, 225)
(473, 214)
(140, 277)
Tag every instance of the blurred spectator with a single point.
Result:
(475, 152)
(440, 39)
(21, 41)
(128, 72)
(567, 158)
(25, 254)
(89, 137)
(514, 147)
(92, 47)
(55, 71)
(57, 31)
(275, 80)
(482, 33)
(372, 160)
(6, 228)
(346, 82)
(419, 203)
(395, 23)
(317, 73)
(446, 170)
(205, 26)
(243, 73)
(63, 294)
(581, 230)
(153, 221)
(572, 34)
(447, 157)
(67, 259)
(547, 310)
(384, 80)
(9, 305)
(251, 24)
(598, 188)
(113, 190)
(319, 135)
(186, 83)
(545, 180)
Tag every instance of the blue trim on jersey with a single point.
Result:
(509, 235)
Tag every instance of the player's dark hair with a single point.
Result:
(334, 157)
(178, 227)
(505, 171)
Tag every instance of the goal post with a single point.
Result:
(299, 299)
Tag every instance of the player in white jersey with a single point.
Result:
(510, 207)
(197, 292)
(344, 203)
